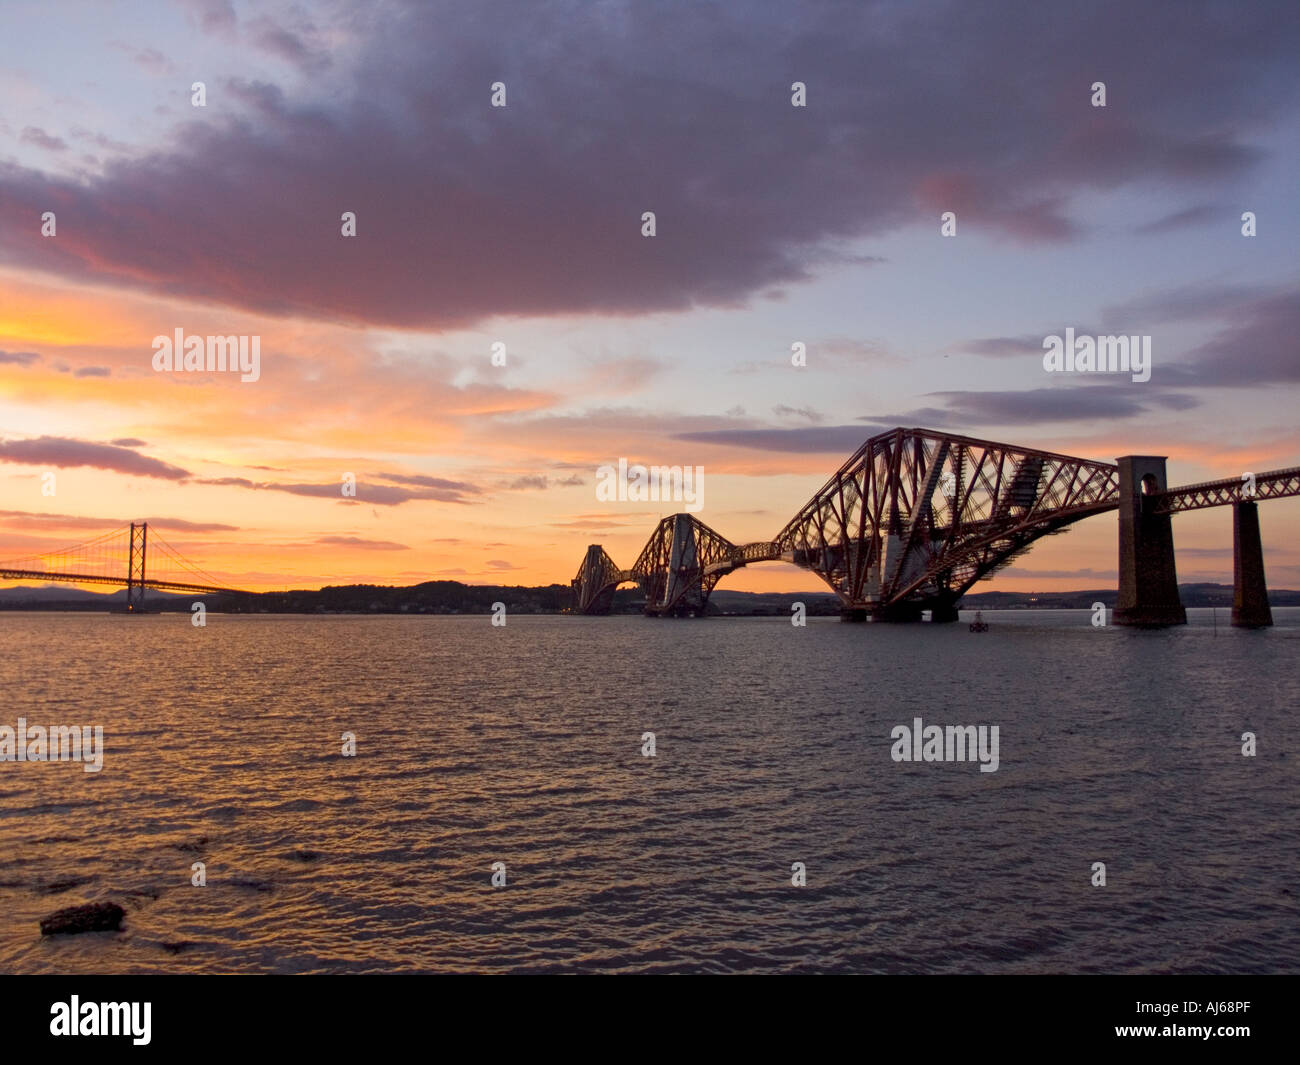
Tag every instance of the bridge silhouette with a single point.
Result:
(915, 517)
(124, 557)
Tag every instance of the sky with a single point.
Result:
(522, 225)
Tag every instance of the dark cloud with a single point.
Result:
(522, 483)
(681, 109)
(127, 441)
(93, 371)
(1254, 333)
(1074, 401)
(18, 358)
(1256, 346)
(64, 451)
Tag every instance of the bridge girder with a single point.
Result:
(915, 517)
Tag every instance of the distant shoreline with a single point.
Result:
(453, 598)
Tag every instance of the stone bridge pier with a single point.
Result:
(1148, 580)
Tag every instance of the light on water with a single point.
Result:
(516, 754)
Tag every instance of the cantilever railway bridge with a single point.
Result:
(915, 517)
(127, 556)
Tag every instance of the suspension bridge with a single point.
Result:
(132, 556)
(915, 517)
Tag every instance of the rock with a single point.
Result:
(92, 917)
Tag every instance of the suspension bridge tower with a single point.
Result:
(135, 567)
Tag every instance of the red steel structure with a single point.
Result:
(914, 518)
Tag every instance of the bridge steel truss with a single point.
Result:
(910, 521)
(1275, 484)
(915, 517)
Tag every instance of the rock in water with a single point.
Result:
(92, 917)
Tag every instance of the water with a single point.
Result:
(522, 744)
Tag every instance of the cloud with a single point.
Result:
(18, 358)
(37, 136)
(781, 410)
(1256, 346)
(267, 34)
(1064, 403)
(1186, 302)
(148, 59)
(829, 439)
(384, 495)
(215, 16)
(684, 111)
(421, 481)
(998, 347)
(521, 483)
(1253, 344)
(92, 371)
(1190, 216)
(367, 545)
(1108, 575)
(64, 451)
(69, 521)
(501, 564)
(127, 441)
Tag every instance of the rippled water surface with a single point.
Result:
(522, 745)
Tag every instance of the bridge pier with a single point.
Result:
(1148, 580)
(1250, 609)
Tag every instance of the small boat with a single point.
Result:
(979, 624)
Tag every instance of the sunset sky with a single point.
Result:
(522, 225)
